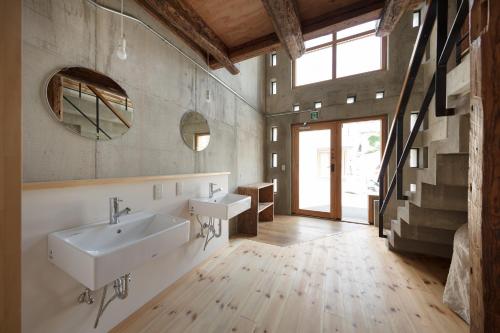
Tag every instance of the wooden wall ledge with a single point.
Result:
(115, 181)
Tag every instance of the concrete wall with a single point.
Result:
(162, 84)
(49, 295)
(333, 95)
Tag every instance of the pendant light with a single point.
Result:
(121, 51)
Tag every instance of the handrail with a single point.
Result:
(436, 11)
(85, 116)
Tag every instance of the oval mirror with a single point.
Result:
(195, 131)
(89, 103)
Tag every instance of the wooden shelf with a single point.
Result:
(261, 210)
(264, 205)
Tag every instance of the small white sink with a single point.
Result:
(223, 206)
(99, 253)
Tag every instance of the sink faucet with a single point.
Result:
(212, 188)
(114, 210)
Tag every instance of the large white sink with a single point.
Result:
(223, 206)
(99, 253)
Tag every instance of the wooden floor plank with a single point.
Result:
(346, 282)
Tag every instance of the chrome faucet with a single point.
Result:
(114, 210)
(212, 188)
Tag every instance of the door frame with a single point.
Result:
(336, 179)
(335, 159)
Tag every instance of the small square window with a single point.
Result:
(275, 185)
(379, 95)
(274, 59)
(274, 134)
(274, 87)
(414, 158)
(351, 99)
(317, 105)
(413, 121)
(296, 107)
(274, 160)
(413, 187)
(416, 19)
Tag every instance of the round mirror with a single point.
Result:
(195, 131)
(89, 103)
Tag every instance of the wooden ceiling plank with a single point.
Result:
(184, 21)
(286, 25)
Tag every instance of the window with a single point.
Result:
(351, 99)
(414, 158)
(347, 52)
(415, 22)
(379, 95)
(274, 134)
(274, 160)
(275, 185)
(413, 120)
(274, 87)
(296, 107)
(317, 105)
(273, 59)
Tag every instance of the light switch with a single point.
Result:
(157, 191)
(178, 188)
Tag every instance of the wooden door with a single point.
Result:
(315, 169)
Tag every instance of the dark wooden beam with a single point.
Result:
(484, 167)
(187, 24)
(286, 24)
(392, 13)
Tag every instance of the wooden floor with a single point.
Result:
(347, 282)
(287, 230)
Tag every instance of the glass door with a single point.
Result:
(314, 170)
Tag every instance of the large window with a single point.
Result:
(347, 52)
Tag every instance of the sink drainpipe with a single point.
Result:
(120, 287)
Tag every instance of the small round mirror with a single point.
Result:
(195, 131)
(89, 103)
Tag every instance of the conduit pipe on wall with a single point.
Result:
(184, 54)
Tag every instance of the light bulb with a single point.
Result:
(121, 51)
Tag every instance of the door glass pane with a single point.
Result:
(314, 170)
(361, 143)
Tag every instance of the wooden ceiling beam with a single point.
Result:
(187, 24)
(391, 14)
(285, 18)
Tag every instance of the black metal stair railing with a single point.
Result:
(437, 12)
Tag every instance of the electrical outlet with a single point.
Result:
(157, 191)
(178, 188)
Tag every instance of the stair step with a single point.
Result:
(398, 244)
(431, 235)
(443, 197)
(431, 218)
(447, 169)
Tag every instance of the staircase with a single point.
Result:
(429, 218)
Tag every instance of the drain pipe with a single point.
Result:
(120, 287)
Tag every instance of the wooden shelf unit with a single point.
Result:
(261, 209)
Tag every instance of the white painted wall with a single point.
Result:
(49, 295)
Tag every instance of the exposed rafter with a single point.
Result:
(391, 14)
(184, 21)
(286, 25)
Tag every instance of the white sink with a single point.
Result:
(99, 253)
(223, 206)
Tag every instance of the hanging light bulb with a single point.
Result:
(121, 50)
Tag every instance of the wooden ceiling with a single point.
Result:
(231, 31)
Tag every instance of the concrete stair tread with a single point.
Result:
(426, 234)
(431, 218)
(398, 244)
